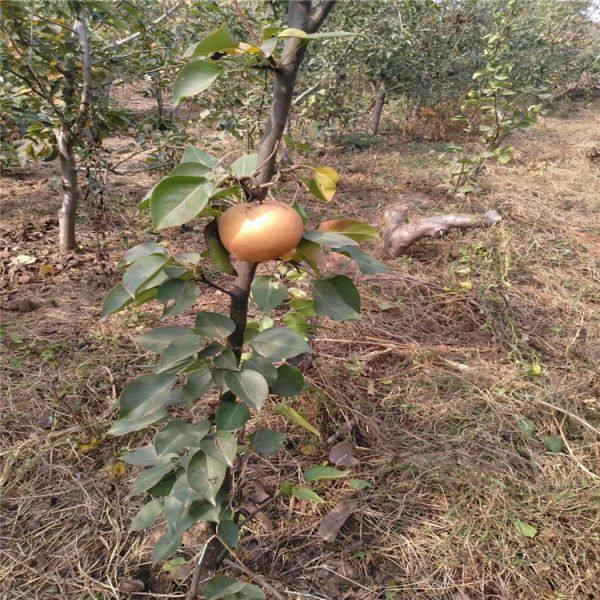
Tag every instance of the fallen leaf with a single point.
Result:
(117, 469)
(23, 259)
(525, 529)
(89, 446)
(131, 586)
(333, 521)
(307, 449)
(260, 492)
(46, 270)
(342, 455)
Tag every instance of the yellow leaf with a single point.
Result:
(291, 32)
(46, 270)
(117, 469)
(248, 48)
(307, 450)
(326, 179)
(331, 173)
(89, 446)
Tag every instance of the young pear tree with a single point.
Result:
(190, 467)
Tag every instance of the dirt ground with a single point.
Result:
(470, 388)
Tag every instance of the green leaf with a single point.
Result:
(191, 169)
(290, 381)
(166, 546)
(336, 298)
(319, 472)
(229, 533)
(178, 199)
(296, 322)
(367, 264)
(184, 293)
(179, 350)
(117, 299)
(221, 586)
(193, 155)
(231, 416)
(143, 271)
(216, 41)
(329, 239)
(295, 417)
(194, 78)
(525, 529)
(552, 442)
(226, 360)
(148, 478)
(355, 230)
(140, 251)
(263, 366)
(147, 515)
(163, 487)
(198, 384)
(359, 484)
(206, 475)
(141, 457)
(266, 441)
(215, 250)
(268, 292)
(279, 343)
(156, 340)
(142, 403)
(303, 493)
(248, 385)
(244, 166)
(222, 447)
(214, 325)
(180, 434)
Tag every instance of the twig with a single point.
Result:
(193, 590)
(214, 285)
(244, 18)
(568, 413)
(137, 34)
(571, 453)
(343, 430)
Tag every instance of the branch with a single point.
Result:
(137, 34)
(246, 21)
(86, 66)
(399, 234)
(319, 15)
(212, 284)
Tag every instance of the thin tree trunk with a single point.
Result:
(378, 109)
(70, 191)
(299, 17)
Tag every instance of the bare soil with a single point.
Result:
(471, 386)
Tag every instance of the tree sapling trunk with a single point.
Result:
(70, 190)
(378, 108)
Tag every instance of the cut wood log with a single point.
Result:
(399, 233)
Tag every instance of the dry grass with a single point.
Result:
(436, 377)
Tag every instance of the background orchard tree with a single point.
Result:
(60, 59)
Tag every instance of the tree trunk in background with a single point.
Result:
(378, 108)
(70, 191)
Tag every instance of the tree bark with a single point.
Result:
(300, 16)
(69, 130)
(378, 108)
(70, 190)
(399, 234)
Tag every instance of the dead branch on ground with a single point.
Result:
(399, 233)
